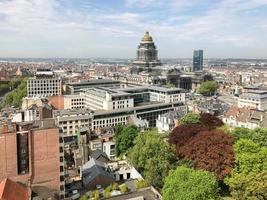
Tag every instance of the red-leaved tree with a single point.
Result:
(210, 150)
(183, 133)
(210, 120)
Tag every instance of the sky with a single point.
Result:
(114, 28)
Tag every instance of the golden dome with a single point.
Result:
(147, 37)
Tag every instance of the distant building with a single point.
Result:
(245, 117)
(44, 84)
(76, 87)
(256, 99)
(147, 53)
(198, 60)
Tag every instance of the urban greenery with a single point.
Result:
(190, 118)
(208, 88)
(152, 157)
(124, 138)
(186, 183)
(14, 98)
(141, 184)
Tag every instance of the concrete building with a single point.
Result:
(109, 149)
(73, 101)
(198, 60)
(44, 84)
(77, 87)
(72, 120)
(256, 99)
(120, 98)
(30, 153)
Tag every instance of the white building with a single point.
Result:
(44, 87)
(168, 121)
(112, 99)
(253, 99)
(109, 149)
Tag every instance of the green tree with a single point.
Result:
(258, 135)
(14, 98)
(190, 118)
(208, 88)
(189, 184)
(152, 156)
(124, 138)
(248, 186)
(249, 157)
(249, 178)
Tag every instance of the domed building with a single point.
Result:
(147, 53)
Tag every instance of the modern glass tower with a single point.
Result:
(147, 53)
(198, 60)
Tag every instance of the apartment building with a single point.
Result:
(256, 99)
(72, 120)
(31, 153)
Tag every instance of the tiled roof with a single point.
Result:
(10, 190)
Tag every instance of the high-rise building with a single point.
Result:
(147, 53)
(198, 60)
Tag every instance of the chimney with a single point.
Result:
(5, 128)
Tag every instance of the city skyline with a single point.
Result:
(61, 28)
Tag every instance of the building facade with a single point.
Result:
(256, 99)
(30, 154)
(44, 87)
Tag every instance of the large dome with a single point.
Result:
(147, 38)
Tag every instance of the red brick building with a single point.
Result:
(30, 154)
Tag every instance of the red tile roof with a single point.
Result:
(10, 190)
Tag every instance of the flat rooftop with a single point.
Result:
(145, 193)
(92, 82)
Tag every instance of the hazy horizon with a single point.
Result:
(113, 28)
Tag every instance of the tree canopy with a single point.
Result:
(208, 88)
(207, 148)
(248, 186)
(186, 183)
(152, 156)
(258, 135)
(124, 138)
(190, 118)
(14, 98)
(249, 177)
(211, 151)
(249, 157)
